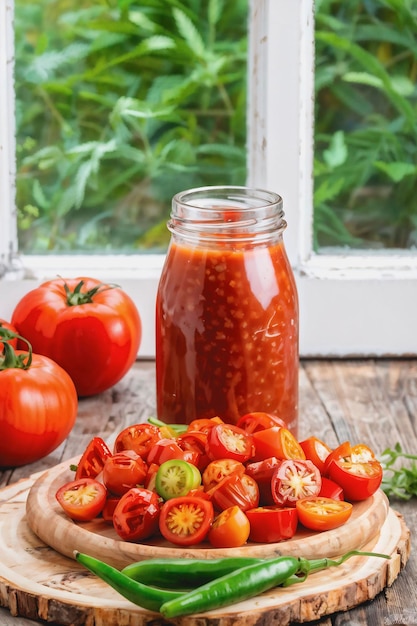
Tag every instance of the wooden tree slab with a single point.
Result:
(40, 582)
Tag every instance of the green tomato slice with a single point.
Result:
(175, 478)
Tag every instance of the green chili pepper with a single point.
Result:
(184, 573)
(239, 585)
(147, 597)
(250, 581)
(178, 428)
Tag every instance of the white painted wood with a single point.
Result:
(349, 303)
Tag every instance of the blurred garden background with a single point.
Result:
(121, 103)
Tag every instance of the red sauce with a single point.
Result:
(227, 334)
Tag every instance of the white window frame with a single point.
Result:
(350, 305)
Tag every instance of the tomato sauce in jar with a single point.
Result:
(227, 310)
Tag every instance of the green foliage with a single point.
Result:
(366, 124)
(399, 480)
(120, 104)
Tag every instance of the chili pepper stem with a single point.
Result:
(309, 566)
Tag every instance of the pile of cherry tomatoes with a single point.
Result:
(222, 483)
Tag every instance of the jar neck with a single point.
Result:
(227, 214)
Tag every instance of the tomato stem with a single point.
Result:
(9, 359)
(77, 296)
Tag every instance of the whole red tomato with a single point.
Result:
(93, 330)
(38, 406)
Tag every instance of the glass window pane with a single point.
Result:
(119, 105)
(365, 169)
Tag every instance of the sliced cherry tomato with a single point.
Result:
(316, 450)
(252, 422)
(136, 516)
(204, 424)
(294, 479)
(138, 437)
(358, 480)
(219, 469)
(355, 469)
(109, 508)
(330, 489)
(262, 472)
(124, 470)
(185, 521)
(229, 441)
(92, 461)
(270, 524)
(83, 499)
(230, 529)
(323, 513)
(340, 452)
(235, 490)
(276, 441)
(149, 482)
(195, 440)
(166, 449)
(176, 478)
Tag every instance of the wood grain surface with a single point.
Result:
(363, 400)
(37, 581)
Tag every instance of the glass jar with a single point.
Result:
(226, 309)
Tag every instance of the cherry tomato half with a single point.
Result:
(138, 437)
(294, 479)
(330, 489)
(195, 441)
(276, 441)
(124, 470)
(185, 521)
(230, 529)
(262, 472)
(270, 524)
(166, 449)
(176, 478)
(92, 461)
(229, 441)
(235, 490)
(358, 480)
(109, 508)
(252, 422)
(83, 499)
(355, 469)
(323, 513)
(316, 450)
(136, 515)
(204, 424)
(219, 469)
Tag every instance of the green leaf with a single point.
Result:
(190, 33)
(397, 171)
(337, 153)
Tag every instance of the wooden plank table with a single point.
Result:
(367, 401)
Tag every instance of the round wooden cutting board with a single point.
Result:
(38, 579)
(97, 538)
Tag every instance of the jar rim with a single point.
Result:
(236, 213)
(238, 194)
